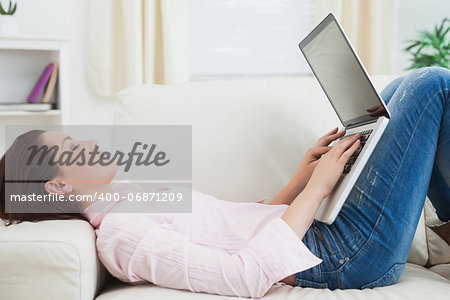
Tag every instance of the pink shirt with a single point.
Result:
(222, 247)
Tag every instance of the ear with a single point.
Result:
(55, 186)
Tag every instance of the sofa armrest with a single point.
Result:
(49, 260)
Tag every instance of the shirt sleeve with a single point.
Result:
(168, 258)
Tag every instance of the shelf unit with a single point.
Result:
(44, 48)
(15, 113)
(22, 59)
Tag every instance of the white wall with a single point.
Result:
(68, 18)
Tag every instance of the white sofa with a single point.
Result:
(248, 138)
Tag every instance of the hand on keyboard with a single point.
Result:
(331, 165)
(364, 137)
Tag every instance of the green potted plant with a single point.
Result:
(432, 49)
(8, 20)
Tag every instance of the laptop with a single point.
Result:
(358, 105)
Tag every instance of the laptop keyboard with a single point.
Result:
(364, 137)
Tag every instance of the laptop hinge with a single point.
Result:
(349, 126)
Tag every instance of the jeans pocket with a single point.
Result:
(311, 284)
(323, 240)
(390, 277)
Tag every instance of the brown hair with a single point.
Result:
(17, 156)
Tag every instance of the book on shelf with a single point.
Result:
(51, 84)
(25, 106)
(40, 84)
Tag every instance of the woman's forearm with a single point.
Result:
(301, 212)
(290, 191)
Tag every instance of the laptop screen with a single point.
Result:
(340, 74)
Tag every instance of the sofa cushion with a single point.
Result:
(415, 283)
(49, 260)
(442, 269)
(418, 253)
(438, 249)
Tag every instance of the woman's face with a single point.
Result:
(81, 177)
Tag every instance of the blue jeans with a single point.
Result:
(368, 244)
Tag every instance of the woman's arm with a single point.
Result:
(302, 211)
(306, 168)
(170, 259)
(290, 191)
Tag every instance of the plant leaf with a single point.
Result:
(432, 49)
(2, 11)
(420, 49)
(445, 33)
(14, 9)
(412, 45)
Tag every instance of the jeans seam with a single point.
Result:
(363, 247)
(340, 249)
(360, 240)
(317, 251)
(374, 283)
(322, 238)
(340, 281)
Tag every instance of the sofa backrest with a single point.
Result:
(249, 134)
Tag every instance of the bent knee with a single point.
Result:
(432, 73)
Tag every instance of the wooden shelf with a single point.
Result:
(27, 113)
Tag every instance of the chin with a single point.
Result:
(103, 174)
(113, 172)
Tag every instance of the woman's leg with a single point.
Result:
(369, 242)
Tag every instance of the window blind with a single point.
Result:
(249, 37)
